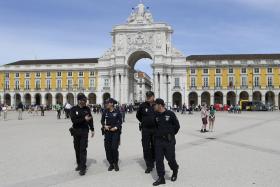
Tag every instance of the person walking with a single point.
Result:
(5, 112)
(82, 122)
(204, 116)
(212, 118)
(111, 121)
(167, 126)
(58, 108)
(20, 110)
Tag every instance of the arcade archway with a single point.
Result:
(205, 98)
(92, 98)
(177, 99)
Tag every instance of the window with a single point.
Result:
(106, 82)
(27, 84)
(218, 71)
(243, 70)
(48, 83)
(193, 84)
(17, 85)
(38, 74)
(218, 81)
(205, 82)
(177, 82)
(91, 73)
(69, 74)
(7, 85)
(256, 70)
(192, 71)
(244, 81)
(269, 70)
(230, 70)
(58, 84)
(27, 75)
(91, 83)
(58, 74)
(81, 84)
(69, 83)
(257, 81)
(81, 74)
(231, 81)
(48, 74)
(7, 75)
(205, 71)
(37, 84)
(17, 75)
(269, 81)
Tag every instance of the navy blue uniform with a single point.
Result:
(112, 139)
(146, 117)
(81, 127)
(167, 127)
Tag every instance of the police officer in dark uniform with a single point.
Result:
(82, 123)
(146, 117)
(167, 126)
(111, 129)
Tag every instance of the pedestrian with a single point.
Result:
(20, 110)
(42, 108)
(211, 118)
(122, 109)
(5, 112)
(204, 116)
(0, 109)
(146, 117)
(58, 110)
(167, 126)
(111, 121)
(82, 122)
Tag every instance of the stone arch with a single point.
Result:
(177, 99)
(257, 96)
(38, 99)
(48, 99)
(70, 98)
(193, 99)
(92, 98)
(205, 98)
(27, 99)
(243, 96)
(59, 98)
(106, 96)
(270, 98)
(17, 98)
(218, 98)
(7, 99)
(231, 98)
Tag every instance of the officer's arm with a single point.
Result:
(91, 126)
(103, 119)
(139, 114)
(176, 124)
(75, 119)
(118, 123)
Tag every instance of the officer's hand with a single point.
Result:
(87, 117)
(107, 127)
(113, 129)
(92, 134)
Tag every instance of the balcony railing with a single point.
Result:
(192, 87)
(176, 87)
(106, 87)
(244, 87)
(218, 87)
(205, 87)
(230, 87)
(257, 87)
(270, 87)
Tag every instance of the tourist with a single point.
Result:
(204, 116)
(211, 118)
(5, 111)
(20, 110)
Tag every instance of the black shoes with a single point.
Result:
(111, 167)
(160, 181)
(174, 175)
(148, 170)
(82, 172)
(77, 168)
(116, 166)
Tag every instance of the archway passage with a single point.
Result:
(59, 98)
(38, 99)
(243, 96)
(205, 98)
(17, 98)
(257, 96)
(70, 98)
(48, 99)
(193, 99)
(27, 99)
(177, 99)
(106, 96)
(92, 98)
(7, 99)
(218, 98)
(231, 98)
(270, 98)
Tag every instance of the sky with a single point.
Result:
(54, 29)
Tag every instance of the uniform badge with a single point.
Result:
(146, 109)
(167, 118)
(77, 112)
(114, 114)
(157, 119)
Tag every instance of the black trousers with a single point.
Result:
(164, 148)
(111, 144)
(80, 145)
(148, 147)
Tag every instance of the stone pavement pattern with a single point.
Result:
(243, 151)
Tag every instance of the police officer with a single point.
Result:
(82, 123)
(167, 126)
(146, 117)
(111, 128)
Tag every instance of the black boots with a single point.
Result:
(174, 175)
(77, 168)
(82, 172)
(116, 166)
(160, 181)
(111, 167)
(149, 170)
